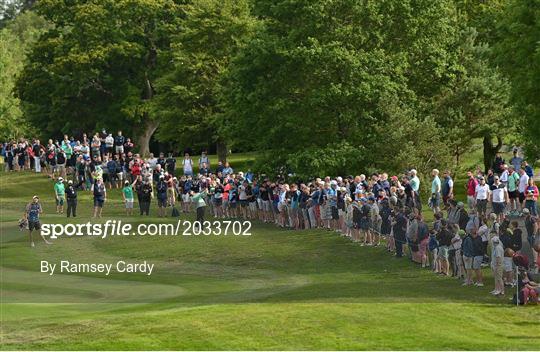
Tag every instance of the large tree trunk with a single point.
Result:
(221, 150)
(149, 125)
(143, 138)
(490, 150)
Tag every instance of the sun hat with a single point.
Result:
(35, 197)
(60, 179)
(526, 211)
(70, 182)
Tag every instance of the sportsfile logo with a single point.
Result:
(120, 228)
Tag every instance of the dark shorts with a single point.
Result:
(217, 201)
(435, 200)
(98, 202)
(481, 205)
(162, 202)
(243, 203)
(513, 194)
(335, 213)
(364, 224)
(498, 208)
(521, 197)
(34, 225)
(60, 201)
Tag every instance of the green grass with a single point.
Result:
(276, 289)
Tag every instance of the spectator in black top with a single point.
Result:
(478, 256)
(161, 193)
(144, 193)
(71, 197)
(170, 165)
(36, 148)
(119, 141)
(399, 226)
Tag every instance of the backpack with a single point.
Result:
(175, 213)
(463, 219)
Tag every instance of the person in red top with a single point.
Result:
(471, 190)
(135, 167)
(225, 197)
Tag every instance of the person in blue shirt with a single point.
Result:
(528, 169)
(331, 197)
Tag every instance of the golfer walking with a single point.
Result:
(32, 213)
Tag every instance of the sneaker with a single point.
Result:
(495, 293)
(466, 284)
(32, 244)
(479, 284)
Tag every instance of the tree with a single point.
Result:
(97, 66)
(10, 9)
(518, 53)
(476, 102)
(322, 72)
(190, 93)
(15, 40)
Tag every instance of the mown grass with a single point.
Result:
(275, 289)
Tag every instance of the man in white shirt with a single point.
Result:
(481, 195)
(522, 187)
(504, 174)
(499, 198)
(415, 185)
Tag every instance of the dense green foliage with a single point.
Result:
(518, 53)
(97, 65)
(212, 33)
(314, 86)
(15, 40)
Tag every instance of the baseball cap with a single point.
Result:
(526, 211)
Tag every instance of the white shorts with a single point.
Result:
(129, 203)
(119, 149)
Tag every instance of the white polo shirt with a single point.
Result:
(482, 192)
(498, 195)
(523, 181)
